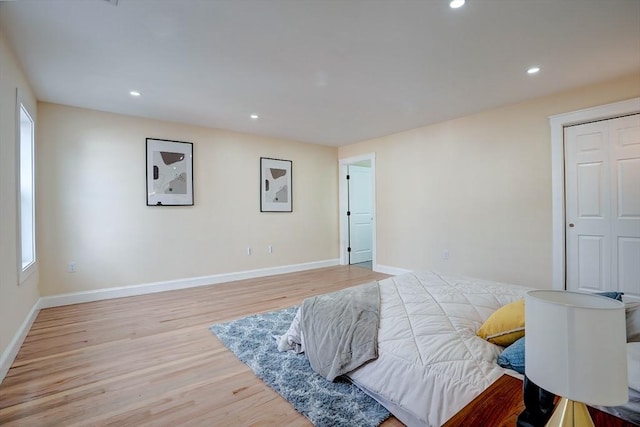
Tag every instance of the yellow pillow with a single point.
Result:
(505, 325)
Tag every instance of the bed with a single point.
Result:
(429, 363)
(411, 342)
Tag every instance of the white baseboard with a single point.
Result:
(172, 285)
(386, 269)
(9, 354)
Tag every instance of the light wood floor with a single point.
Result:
(151, 359)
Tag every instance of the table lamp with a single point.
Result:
(576, 349)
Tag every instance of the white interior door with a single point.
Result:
(602, 178)
(625, 177)
(361, 214)
(588, 202)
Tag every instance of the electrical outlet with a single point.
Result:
(445, 254)
(71, 267)
(249, 250)
(270, 249)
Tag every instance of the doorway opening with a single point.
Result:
(357, 211)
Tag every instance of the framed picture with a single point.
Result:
(275, 185)
(169, 173)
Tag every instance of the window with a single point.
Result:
(27, 190)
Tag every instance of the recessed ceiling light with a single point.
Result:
(533, 70)
(254, 116)
(456, 4)
(134, 93)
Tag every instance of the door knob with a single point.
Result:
(571, 225)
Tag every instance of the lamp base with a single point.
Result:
(570, 414)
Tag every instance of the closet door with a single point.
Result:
(625, 179)
(602, 178)
(587, 180)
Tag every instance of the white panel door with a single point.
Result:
(602, 174)
(361, 209)
(588, 206)
(625, 178)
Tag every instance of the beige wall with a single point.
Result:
(479, 186)
(16, 300)
(92, 204)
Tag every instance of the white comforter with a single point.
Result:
(431, 363)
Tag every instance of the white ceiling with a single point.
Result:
(331, 72)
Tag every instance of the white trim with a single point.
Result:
(394, 271)
(9, 354)
(557, 124)
(172, 285)
(344, 229)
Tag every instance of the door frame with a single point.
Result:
(557, 123)
(344, 203)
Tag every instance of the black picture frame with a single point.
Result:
(276, 185)
(169, 172)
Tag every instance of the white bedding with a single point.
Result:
(431, 363)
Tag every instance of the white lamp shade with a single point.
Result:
(576, 346)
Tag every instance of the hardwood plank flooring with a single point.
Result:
(151, 359)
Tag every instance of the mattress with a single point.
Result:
(431, 363)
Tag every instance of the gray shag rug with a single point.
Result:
(324, 403)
